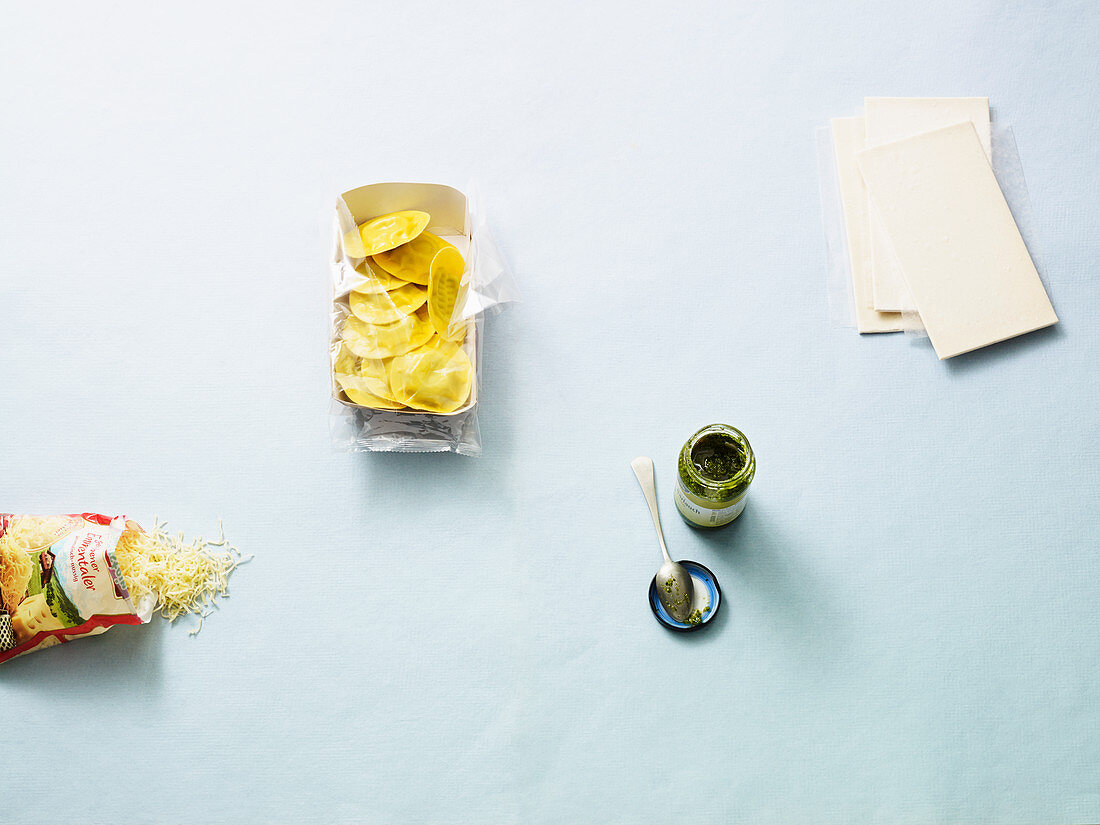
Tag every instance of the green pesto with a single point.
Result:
(717, 463)
(698, 615)
(718, 456)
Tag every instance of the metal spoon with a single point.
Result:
(674, 586)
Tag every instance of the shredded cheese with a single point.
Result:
(187, 578)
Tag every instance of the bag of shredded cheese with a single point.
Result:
(59, 579)
(63, 577)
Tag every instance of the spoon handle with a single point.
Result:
(643, 471)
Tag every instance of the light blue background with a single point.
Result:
(911, 630)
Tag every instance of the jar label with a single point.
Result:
(707, 513)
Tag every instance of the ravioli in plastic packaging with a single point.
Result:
(436, 377)
(385, 232)
(364, 377)
(387, 307)
(386, 340)
(412, 261)
(364, 398)
(407, 319)
(446, 290)
(375, 279)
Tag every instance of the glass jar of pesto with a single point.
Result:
(715, 470)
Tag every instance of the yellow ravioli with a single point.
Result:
(445, 290)
(376, 279)
(461, 333)
(386, 340)
(353, 244)
(363, 375)
(436, 377)
(387, 307)
(365, 399)
(345, 361)
(391, 230)
(413, 261)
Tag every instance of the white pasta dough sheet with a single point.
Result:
(967, 267)
(848, 138)
(894, 118)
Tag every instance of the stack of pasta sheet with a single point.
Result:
(931, 239)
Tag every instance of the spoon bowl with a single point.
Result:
(675, 589)
(708, 600)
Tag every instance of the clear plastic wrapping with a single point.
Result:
(406, 326)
